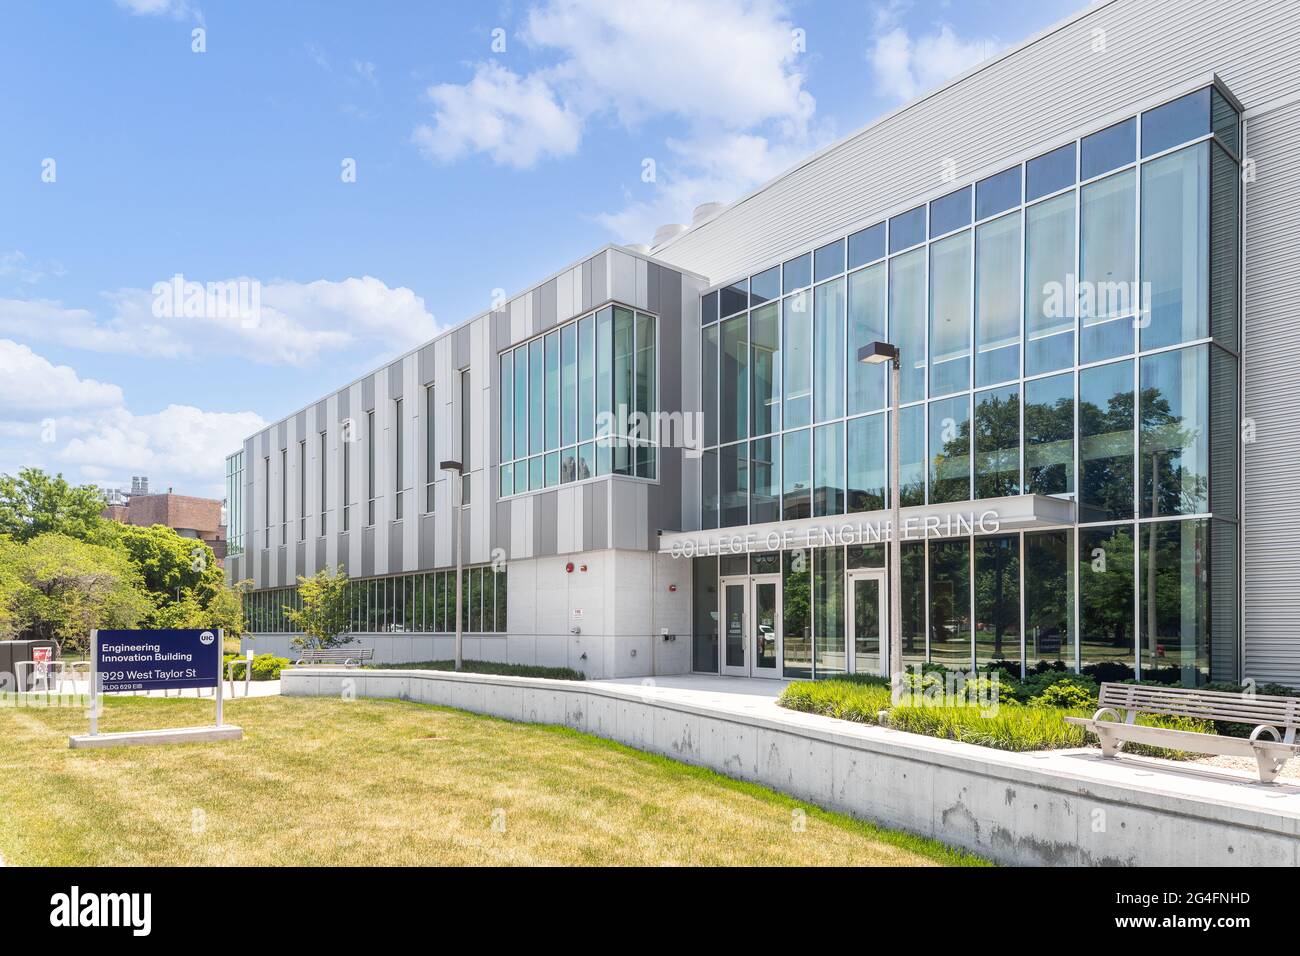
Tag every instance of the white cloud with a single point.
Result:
(515, 120)
(905, 66)
(295, 324)
(177, 9)
(366, 70)
(31, 383)
(52, 418)
(726, 63)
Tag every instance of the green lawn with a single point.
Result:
(320, 781)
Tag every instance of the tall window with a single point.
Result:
(266, 500)
(347, 480)
(370, 467)
(579, 401)
(431, 448)
(302, 490)
(284, 496)
(324, 462)
(398, 456)
(466, 424)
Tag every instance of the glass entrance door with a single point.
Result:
(766, 634)
(734, 620)
(751, 626)
(869, 640)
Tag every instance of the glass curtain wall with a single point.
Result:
(1068, 327)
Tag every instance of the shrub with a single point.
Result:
(1064, 694)
(265, 666)
(1006, 728)
(499, 668)
(844, 699)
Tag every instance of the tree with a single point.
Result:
(34, 504)
(172, 567)
(325, 614)
(61, 589)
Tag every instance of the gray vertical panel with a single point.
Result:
(395, 562)
(428, 531)
(463, 348)
(545, 523)
(653, 279)
(427, 374)
(367, 394)
(585, 291)
(300, 556)
(320, 552)
(1271, 504)
(600, 515)
(501, 531)
(281, 574)
(367, 552)
(395, 383)
(600, 277)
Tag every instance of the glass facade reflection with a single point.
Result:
(1068, 327)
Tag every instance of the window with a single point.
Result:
(765, 475)
(734, 396)
(302, 490)
(828, 351)
(1106, 442)
(796, 460)
(796, 621)
(907, 229)
(347, 479)
(997, 301)
(1106, 600)
(324, 469)
(284, 496)
(950, 303)
(828, 612)
(997, 600)
(866, 305)
(1049, 599)
(266, 500)
(765, 365)
(997, 442)
(867, 245)
(1107, 290)
(1175, 247)
(235, 504)
(828, 469)
(1174, 440)
(399, 463)
(797, 273)
(734, 298)
(828, 261)
(585, 397)
(1176, 122)
(507, 385)
(911, 455)
(1109, 149)
(950, 624)
(950, 212)
(466, 435)
(733, 493)
(1174, 601)
(765, 287)
(431, 446)
(907, 320)
(1050, 172)
(998, 193)
(797, 355)
(867, 468)
(1049, 291)
(1049, 435)
(371, 438)
(950, 449)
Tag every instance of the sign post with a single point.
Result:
(155, 660)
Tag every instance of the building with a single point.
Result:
(188, 516)
(1085, 249)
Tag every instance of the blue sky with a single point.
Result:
(477, 168)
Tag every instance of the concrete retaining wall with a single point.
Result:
(1004, 806)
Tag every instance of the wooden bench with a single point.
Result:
(347, 656)
(1273, 717)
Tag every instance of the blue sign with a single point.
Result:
(158, 660)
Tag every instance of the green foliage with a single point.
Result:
(265, 666)
(489, 667)
(325, 615)
(1013, 727)
(1064, 694)
(34, 504)
(59, 588)
(842, 699)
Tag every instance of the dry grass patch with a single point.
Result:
(331, 782)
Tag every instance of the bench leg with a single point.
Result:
(1268, 766)
(1110, 744)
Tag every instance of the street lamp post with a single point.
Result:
(878, 353)
(456, 468)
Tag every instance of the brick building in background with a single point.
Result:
(190, 517)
